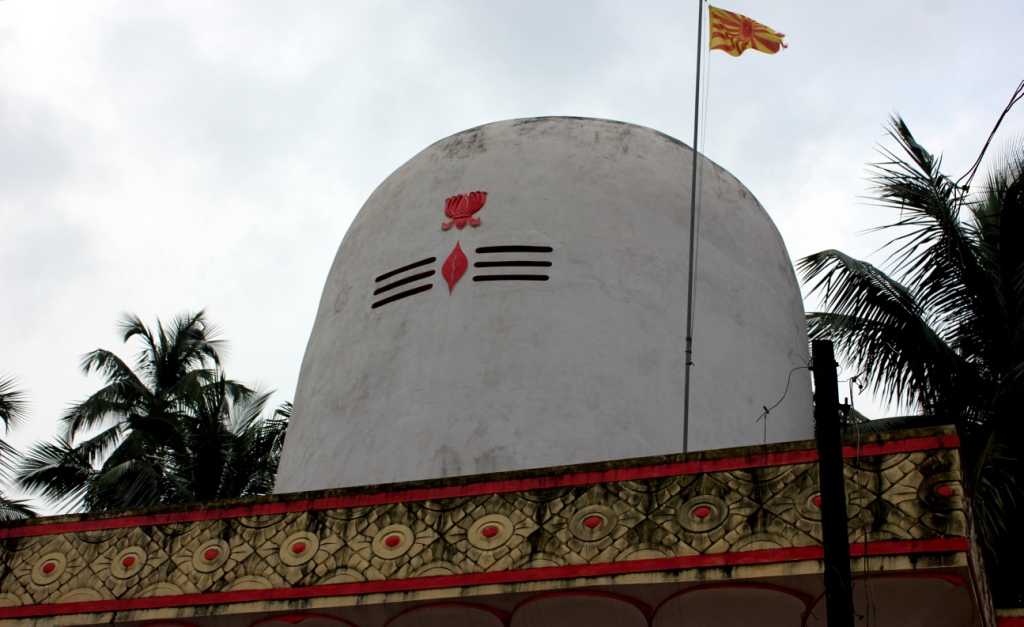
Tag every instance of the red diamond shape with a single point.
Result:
(454, 267)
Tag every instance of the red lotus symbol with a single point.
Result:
(460, 209)
(454, 267)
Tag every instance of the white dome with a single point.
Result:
(580, 361)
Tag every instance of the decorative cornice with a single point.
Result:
(749, 506)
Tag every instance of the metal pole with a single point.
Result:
(693, 240)
(832, 486)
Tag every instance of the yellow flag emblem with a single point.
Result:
(735, 33)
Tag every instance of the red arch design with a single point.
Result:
(806, 599)
(640, 606)
(954, 580)
(298, 618)
(503, 617)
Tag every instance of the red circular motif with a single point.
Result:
(211, 554)
(701, 511)
(299, 548)
(816, 499)
(593, 522)
(392, 541)
(944, 490)
(128, 561)
(489, 531)
(49, 567)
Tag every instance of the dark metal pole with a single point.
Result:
(834, 521)
(693, 240)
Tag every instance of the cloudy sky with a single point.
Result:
(157, 157)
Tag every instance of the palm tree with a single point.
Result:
(160, 433)
(230, 448)
(941, 327)
(12, 411)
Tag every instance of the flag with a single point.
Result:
(735, 33)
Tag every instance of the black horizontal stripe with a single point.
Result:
(511, 277)
(417, 264)
(514, 249)
(401, 295)
(400, 282)
(512, 264)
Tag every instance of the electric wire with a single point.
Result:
(870, 610)
(766, 410)
(964, 182)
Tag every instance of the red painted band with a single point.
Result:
(1011, 621)
(764, 556)
(571, 479)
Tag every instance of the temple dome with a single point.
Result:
(541, 321)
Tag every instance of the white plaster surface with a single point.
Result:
(587, 366)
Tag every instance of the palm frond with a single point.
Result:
(256, 456)
(878, 327)
(996, 491)
(58, 473)
(111, 367)
(935, 255)
(208, 386)
(98, 447)
(943, 326)
(113, 401)
(248, 412)
(13, 403)
(896, 371)
(15, 509)
(174, 428)
(8, 458)
(284, 410)
(254, 448)
(196, 341)
(133, 326)
(130, 484)
(999, 215)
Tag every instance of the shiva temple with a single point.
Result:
(488, 428)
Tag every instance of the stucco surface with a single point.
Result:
(586, 366)
(662, 533)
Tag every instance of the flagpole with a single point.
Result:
(693, 239)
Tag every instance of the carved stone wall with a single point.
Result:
(741, 506)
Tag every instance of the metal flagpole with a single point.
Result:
(693, 240)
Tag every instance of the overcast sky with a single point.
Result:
(157, 157)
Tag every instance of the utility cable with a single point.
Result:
(765, 409)
(1018, 94)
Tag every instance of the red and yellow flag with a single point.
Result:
(735, 33)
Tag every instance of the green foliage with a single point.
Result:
(12, 410)
(941, 328)
(172, 429)
(12, 403)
